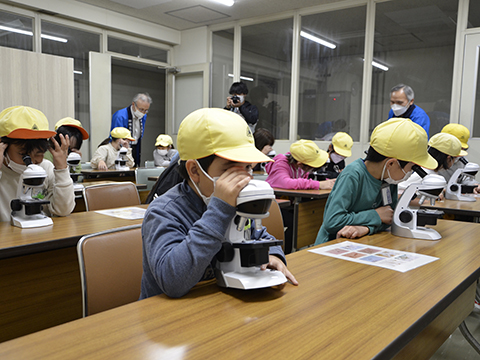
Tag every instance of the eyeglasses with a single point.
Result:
(144, 111)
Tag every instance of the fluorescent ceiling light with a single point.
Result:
(29, 33)
(317, 40)
(226, 2)
(77, 72)
(379, 66)
(243, 78)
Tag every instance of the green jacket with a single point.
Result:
(353, 200)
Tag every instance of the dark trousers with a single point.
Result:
(136, 152)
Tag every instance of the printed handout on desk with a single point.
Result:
(130, 213)
(372, 255)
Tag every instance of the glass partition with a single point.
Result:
(474, 14)
(331, 70)
(266, 70)
(222, 66)
(16, 31)
(415, 40)
(138, 50)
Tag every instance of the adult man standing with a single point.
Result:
(133, 118)
(401, 102)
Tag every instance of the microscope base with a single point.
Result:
(422, 233)
(254, 279)
(450, 196)
(30, 221)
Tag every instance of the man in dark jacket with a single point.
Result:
(240, 106)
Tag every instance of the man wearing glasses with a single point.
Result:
(133, 118)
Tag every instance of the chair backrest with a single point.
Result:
(110, 195)
(142, 174)
(149, 163)
(110, 268)
(86, 165)
(274, 222)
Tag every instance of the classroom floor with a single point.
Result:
(456, 347)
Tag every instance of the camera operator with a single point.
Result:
(237, 103)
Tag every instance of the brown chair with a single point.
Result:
(110, 268)
(110, 195)
(274, 222)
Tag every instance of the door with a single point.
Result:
(188, 90)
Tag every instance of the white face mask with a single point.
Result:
(206, 199)
(336, 158)
(18, 168)
(162, 152)
(138, 113)
(399, 109)
(390, 181)
(242, 98)
(272, 153)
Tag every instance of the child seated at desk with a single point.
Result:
(444, 148)
(264, 141)
(462, 134)
(105, 156)
(338, 151)
(183, 229)
(76, 134)
(24, 131)
(164, 152)
(365, 193)
(290, 171)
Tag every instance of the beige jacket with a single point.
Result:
(109, 154)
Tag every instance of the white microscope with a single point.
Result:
(462, 182)
(27, 209)
(408, 220)
(121, 161)
(73, 159)
(239, 260)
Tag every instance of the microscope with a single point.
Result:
(462, 182)
(73, 159)
(408, 220)
(121, 161)
(27, 209)
(239, 260)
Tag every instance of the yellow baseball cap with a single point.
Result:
(447, 144)
(308, 153)
(121, 133)
(342, 144)
(459, 131)
(68, 121)
(23, 122)
(404, 140)
(209, 131)
(163, 140)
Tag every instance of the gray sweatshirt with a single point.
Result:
(181, 237)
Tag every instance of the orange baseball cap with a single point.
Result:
(68, 121)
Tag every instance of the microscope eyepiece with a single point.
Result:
(419, 171)
(463, 160)
(27, 160)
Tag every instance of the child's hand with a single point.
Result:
(229, 185)
(385, 213)
(327, 184)
(102, 165)
(60, 151)
(352, 232)
(3, 146)
(276, 264)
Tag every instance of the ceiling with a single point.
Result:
(189, 14)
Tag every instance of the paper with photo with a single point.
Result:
(130, 213)
(372, 255)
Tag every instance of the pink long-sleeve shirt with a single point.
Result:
(282, 175)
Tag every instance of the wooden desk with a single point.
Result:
(307, 216)
(340, 310)
(39, 274)
(112, 175)
(456, 207)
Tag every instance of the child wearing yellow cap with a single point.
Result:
(24, 131)
(338, 151)
(105, 155)
(183, 229)
(290, 171)
(444, 148)
(76, 134)
(462, 134)
(365, 193)
(164, 151)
